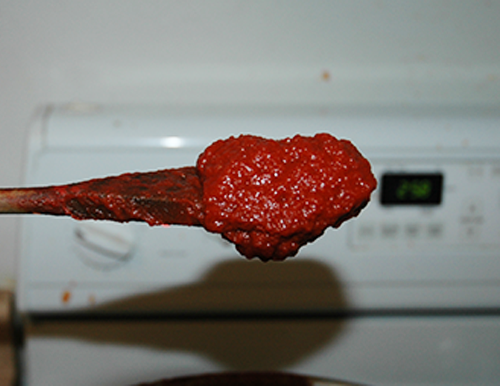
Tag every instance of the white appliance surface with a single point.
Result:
(420, 283)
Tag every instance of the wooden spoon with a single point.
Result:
(171, 196)
(267, 197)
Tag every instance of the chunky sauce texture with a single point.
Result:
(270, 197)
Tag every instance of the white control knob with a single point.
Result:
(103, 244)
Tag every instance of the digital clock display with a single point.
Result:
(411, 189)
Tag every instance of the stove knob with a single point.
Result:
(104, 245)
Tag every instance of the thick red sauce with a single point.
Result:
(270, 197)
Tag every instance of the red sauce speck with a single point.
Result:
(270, 197)
(66, 297)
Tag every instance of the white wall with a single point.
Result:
(233, 52)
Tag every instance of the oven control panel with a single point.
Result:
(446, 205)
(428, 239)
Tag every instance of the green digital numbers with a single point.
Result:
(420, 189)
(416, 189)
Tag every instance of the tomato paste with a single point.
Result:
(270, 197)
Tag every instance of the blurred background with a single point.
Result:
(236, 52)
(170, 52)
(317, 53)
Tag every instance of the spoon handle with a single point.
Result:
(22, 200)
(171, 196)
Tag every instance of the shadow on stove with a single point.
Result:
(244, 315)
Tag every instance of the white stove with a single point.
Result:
(408, 293)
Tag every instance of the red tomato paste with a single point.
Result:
(270, 197)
